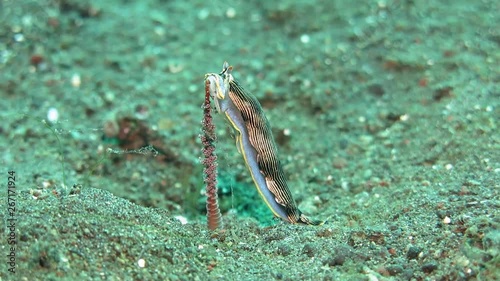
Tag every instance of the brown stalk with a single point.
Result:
(208, 138)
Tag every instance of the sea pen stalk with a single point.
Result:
(208, 138)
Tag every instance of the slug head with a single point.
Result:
(219, 85)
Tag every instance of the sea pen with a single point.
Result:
(209, 161)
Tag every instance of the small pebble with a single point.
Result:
(76, 81)
(413, 253)
(52, 115)
(304, 38)
(446, 220)
(429, 267)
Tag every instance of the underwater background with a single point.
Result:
(385, 114)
